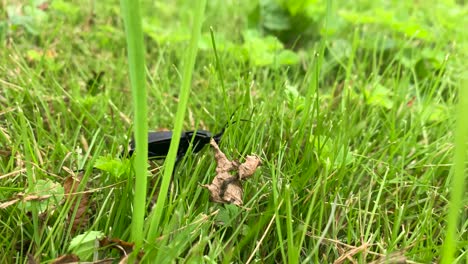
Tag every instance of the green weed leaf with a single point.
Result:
(266, 51)
(379, 96)
(330, 155)
(84, 245)
(48, 194)
(116, 167)
(227, 214)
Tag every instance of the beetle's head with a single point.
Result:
(217, 137)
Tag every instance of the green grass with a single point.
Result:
(357, 137)
(136, 61)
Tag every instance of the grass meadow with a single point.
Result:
(356, 109)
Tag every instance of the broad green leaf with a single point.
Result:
(379, 96)
(227, 214)
(116, 167)
(85, 245)
(287, 57)
(49, 194)
(331, 155)
(267, 51)
(66, 8)
(274, 16)
(295, 100)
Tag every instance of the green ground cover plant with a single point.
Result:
(356, 110)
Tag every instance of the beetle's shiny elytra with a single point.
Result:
(159, 142)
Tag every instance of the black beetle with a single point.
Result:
(159, 142)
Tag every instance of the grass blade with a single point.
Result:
(30, 173)
(136, 62)
(458, 176)
(181, 109)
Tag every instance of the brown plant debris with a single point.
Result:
(81, 200)
(31, 259)
(25, 198)
(226, 187)
(5, 153)
(125, 248)
(68, 258)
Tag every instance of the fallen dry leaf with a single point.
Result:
(125, 247)
(224, 165)
(5, 153)
(44, 6)
(394, 258)
(68, 258)
(350, 253)
(248, 168)
(31, 259)
(226, 187)
(82, 199)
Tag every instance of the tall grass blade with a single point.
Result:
(181, 109)
(136, 63)
(458, 177)
(28, 153)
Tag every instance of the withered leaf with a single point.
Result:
(77, 199)
(44, 6)
(68, 258)
(224, 165)
(5, 153)
(227, 187)
(248, 168)
(125, 259)
(125, 247)
(31, 259)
